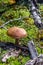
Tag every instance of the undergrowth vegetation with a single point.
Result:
(27, 23)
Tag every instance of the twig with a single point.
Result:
(17, 19)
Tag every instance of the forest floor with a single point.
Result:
(16, 12)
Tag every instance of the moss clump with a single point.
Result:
(27, 24)
(4, 37)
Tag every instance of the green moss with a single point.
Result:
(4, 37)
(27, 24)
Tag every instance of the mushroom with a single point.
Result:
(12, 1)
(17, 33)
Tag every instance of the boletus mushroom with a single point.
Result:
(17, 33)
(12, 2)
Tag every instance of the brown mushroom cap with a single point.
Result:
(17, 32)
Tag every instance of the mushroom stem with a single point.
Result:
(17, 41)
